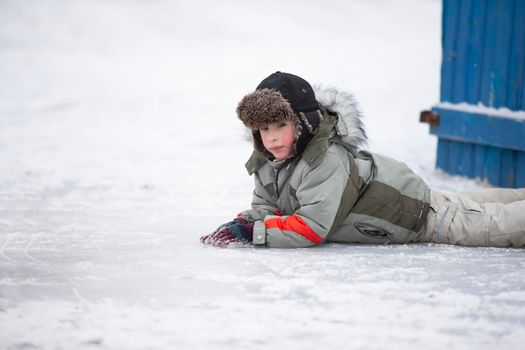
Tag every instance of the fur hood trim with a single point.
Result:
(350, 127)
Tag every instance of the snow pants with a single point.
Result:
(484, 218)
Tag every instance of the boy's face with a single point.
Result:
(278, 138)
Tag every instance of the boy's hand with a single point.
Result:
(236, 231)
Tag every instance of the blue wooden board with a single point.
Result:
(484, 52)
(483, 62)
(480, 129)
(498, 166)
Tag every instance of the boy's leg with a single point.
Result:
(455, 219)
(507, 227)
(494, 195)
(439, 216)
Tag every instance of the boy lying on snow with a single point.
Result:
(313, 185)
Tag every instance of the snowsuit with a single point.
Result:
(332, 193)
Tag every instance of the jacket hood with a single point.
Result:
(350, 127)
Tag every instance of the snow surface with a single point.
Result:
(482, 109)
(119, 147)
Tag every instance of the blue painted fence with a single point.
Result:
(483, 64)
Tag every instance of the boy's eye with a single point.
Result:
(282, 125)
(264, 128)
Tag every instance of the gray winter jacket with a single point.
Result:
(332, 192)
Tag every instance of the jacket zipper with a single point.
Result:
(290, 165)
(277, 182)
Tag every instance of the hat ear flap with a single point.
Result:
(308, 124)
(312, 120)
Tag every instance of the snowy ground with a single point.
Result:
(119, 147)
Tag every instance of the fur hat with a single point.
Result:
(279, 97)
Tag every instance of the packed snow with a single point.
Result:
(119, 148)
(483, 110)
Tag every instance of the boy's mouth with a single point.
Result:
(276, 149)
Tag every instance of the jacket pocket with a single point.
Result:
(370, 231)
